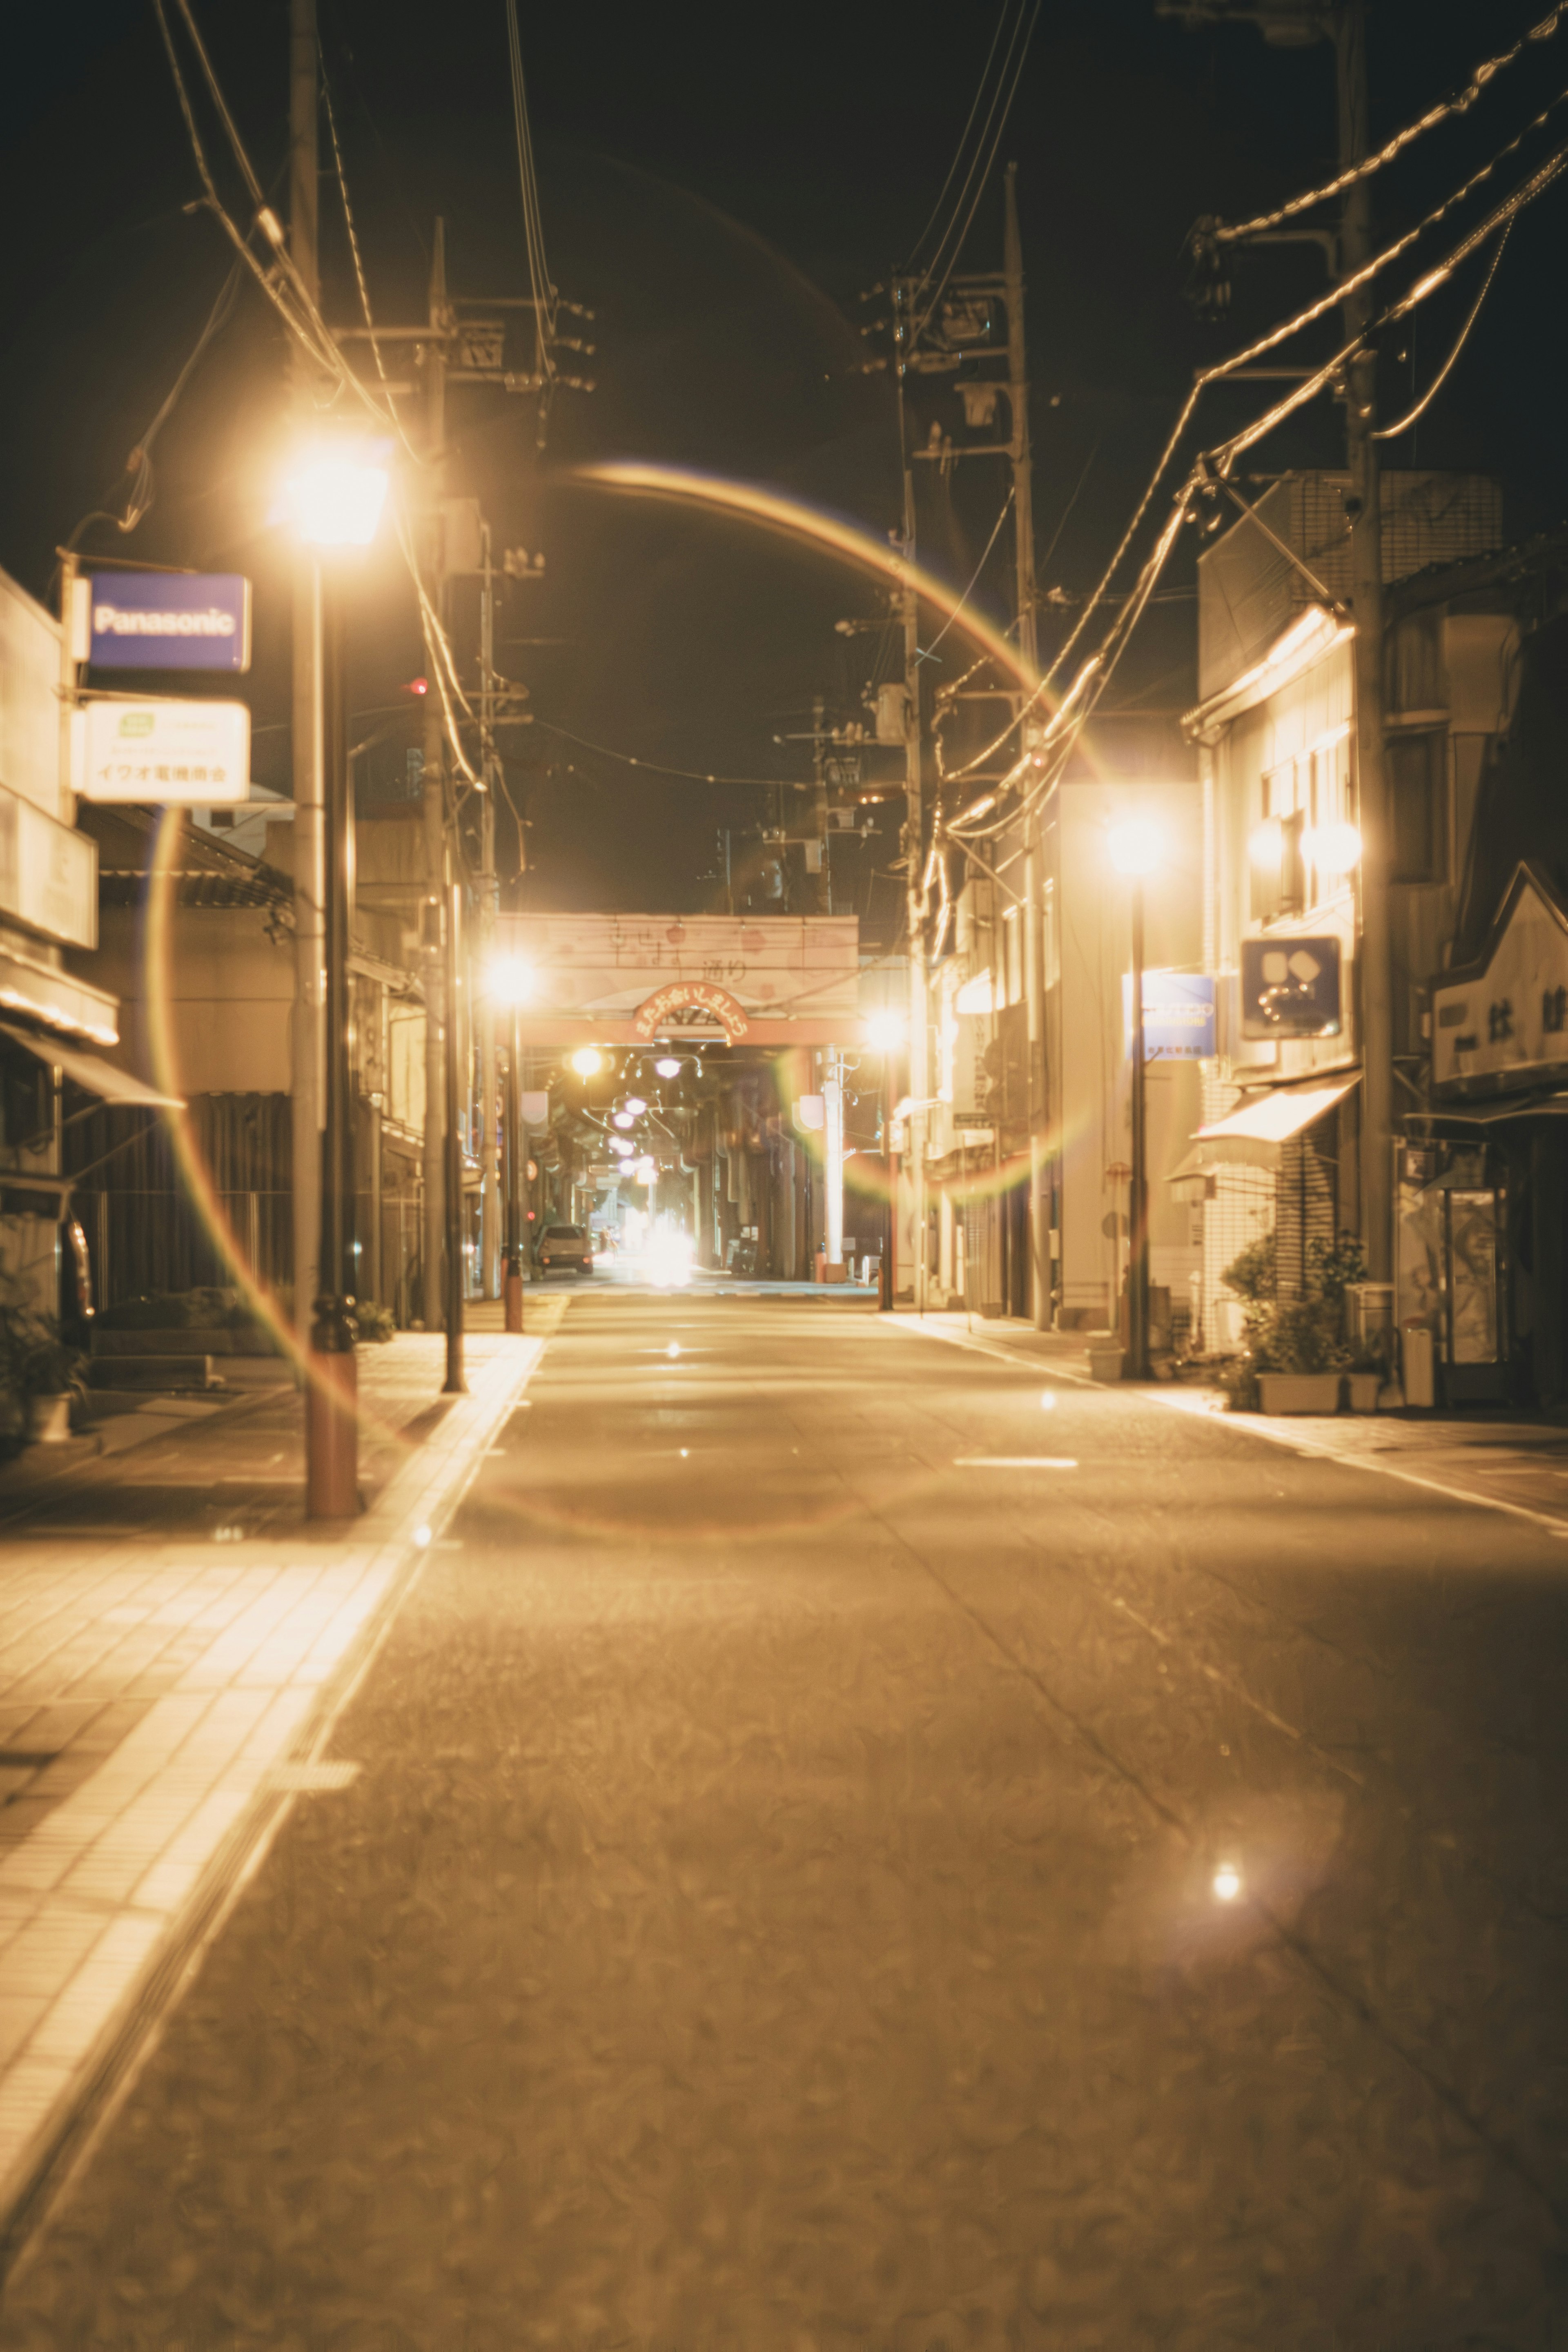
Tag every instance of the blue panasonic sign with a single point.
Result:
(170, 620)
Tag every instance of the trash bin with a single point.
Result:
(1417, 1356)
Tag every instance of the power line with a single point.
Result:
(1460, 102)
(1006, 510)
(1393, 432)
(921, 323)
(963, 135)
(658, 768)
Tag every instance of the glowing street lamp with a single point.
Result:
(587, 1061)
(1136, 849)
(511, 983)
(335, 494)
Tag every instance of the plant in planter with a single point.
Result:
(36, 1364)
(1303, 1338)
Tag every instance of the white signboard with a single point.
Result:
(195, 754)
(774, 979)
(1504, 1023)
(49, 874)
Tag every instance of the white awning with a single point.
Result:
(1251, 1136)
(94, 1075)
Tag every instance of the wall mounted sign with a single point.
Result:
(1290, 987)
(169, 620)
(663, 1010)
(49, 874)
(187, 755)
(1502, 1021)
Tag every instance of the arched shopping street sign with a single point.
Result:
(765, 980)
(691, 1005)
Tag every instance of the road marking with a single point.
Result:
(312, 1779)
(1013, 1462)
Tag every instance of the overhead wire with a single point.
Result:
(544, 292)
(1006, 510)
(1026, 21)
(658, 768)
(963, 135)
(1481, 76)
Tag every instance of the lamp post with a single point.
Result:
(509, 983)
(885, 1032)
(336, 495)
(1135, 853)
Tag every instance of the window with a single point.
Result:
(1416, 764)
(1309, 792)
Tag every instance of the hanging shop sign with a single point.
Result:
(169, 620)
(1178, 1015)
(49, 874)
(691, 1004)
(186, 754)
(1290, 987)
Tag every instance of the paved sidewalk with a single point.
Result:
(175, 1640)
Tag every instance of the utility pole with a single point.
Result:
(309, 871)
(819, 808)
(1034, 866)
(437, 1014)
(914, 833)
(454, 1384)
(489, 905)
(1365, 507)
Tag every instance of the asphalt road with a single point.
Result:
(815, 1883)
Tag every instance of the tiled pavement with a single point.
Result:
(173, 1638)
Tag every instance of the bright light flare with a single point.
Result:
(635, 1107)
(587, 1061)
(1047, 1402)
(885, 1032)
(1331, 848)
(1265, 846)
(510, 980)
(667, 1066)
(334, 496)
(670, 1258)
(624, 1119)
(1135, 847)
(1226, 1882)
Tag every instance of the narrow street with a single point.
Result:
(859, 1841)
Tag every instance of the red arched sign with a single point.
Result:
(658, 1011)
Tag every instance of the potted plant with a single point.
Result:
(1296, 1355)
(40, 1378)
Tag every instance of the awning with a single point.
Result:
(1251, 1136)
(40, 992)
(94, 1075)
(1489, 1113)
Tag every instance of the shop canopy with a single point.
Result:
(1251, 1136)
(88, 1071)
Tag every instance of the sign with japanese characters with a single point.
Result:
(194, 755)
(1502, 1021)
(169, 620)
(697, 1004)
(1291, 986)
(1178, 1015)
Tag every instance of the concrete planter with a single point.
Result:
(49, 1419)
(1363, 1391)
(1300, 1392)
(1105, 1363)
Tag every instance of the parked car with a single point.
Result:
(566, 1247)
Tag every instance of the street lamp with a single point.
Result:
(885, 1032)
(1135, 850)
(336, 495)
(511, 983)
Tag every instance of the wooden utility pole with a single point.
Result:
(436, 1013)
(1364, 509)
(310, 879)
(484, 1009)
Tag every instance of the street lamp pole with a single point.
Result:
(1138, 1261)
(332, 1425)
(513, 1284)
(454, 1384)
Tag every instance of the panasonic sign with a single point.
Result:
(170, 620)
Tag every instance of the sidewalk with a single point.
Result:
(174, 1642)
(1517, 1467)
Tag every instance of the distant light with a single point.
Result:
(667, 1066)
(1228, 1882)
(1135, 847)
(673, 1349)
(635, 1106)
(335, 496)
(422, 1537)
(509, 979)
(1331, 848)
(624, 1118)
(1047, 1402)
(686, 1453)
(417, 686)
(885, 1031)
(619, 1145)
(587, 1061)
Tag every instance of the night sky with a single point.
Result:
(721, 188)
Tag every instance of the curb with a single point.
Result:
(422, 1496)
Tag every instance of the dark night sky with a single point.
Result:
(720, 190)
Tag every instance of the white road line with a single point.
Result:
(1013, 1462)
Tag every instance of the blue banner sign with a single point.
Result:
(1290, 987)
(169, 620)
(1178, 1015)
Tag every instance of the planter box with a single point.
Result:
(1105, 1363)
(1300, 1392)
(1363, 1391)
(49, 1419)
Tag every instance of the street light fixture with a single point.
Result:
(512, 982)
(1136, 849)
(335, 496)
